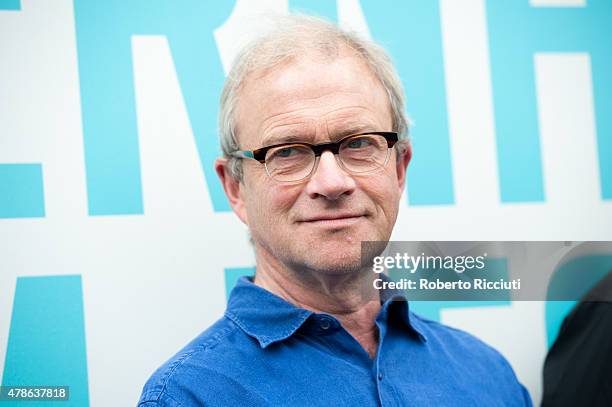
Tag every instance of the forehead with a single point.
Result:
(312, 98)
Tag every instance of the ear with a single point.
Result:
(233, 189)
(402, 164)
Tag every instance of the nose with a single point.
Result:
(329, 179)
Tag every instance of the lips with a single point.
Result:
(330, 218)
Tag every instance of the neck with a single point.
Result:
(349, 297)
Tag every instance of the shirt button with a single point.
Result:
(380, 376)
(325, 324)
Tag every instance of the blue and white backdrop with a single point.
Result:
(117, 245)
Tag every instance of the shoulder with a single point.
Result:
(173, 383)
(455, 339)
(463, 352)
(466, 348)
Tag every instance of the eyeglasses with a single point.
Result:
(358, 153)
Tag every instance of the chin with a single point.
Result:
(336, 268)
(333, 257)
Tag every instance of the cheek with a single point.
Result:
(384, 192)
(282, 198)
(269, 204)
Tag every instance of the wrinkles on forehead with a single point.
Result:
(307, 131)
(311, 98)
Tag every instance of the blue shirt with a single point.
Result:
(268, 352)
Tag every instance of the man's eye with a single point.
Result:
(290, 153)
(285, 152)
(359, 143)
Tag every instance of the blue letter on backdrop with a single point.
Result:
(410, 30)
(21, 191)
(46, 343)
(104, 31)
(516, 32)
(13, 5)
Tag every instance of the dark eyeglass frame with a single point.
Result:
(318, 149)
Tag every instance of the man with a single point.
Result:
(315, 155)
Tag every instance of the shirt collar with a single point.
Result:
(263, 315)
(268, 318)
(394, 300)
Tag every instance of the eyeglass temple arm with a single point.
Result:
(242, 154)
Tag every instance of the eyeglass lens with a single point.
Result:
(358, 154)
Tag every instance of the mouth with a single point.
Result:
(334, 221)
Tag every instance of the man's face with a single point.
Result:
(316, 224)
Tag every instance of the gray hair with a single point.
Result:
(293, 35)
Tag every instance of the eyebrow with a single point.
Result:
(292, 132)
(353, 129)
(288, 138)
(301, 137)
